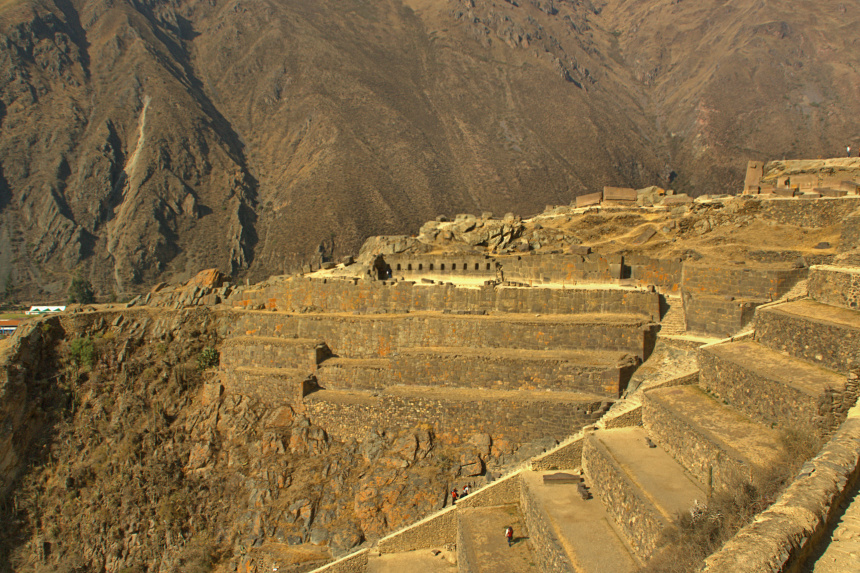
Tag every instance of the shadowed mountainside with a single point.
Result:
(142, 140)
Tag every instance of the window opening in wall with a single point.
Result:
(477, 266)
(409, 267)
(488, 266)
(398, 266)
(442, 266)
(420, 267)
(453, 266)
(431, 266)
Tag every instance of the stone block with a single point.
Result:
(589, 200)
(619, 194)
(681, 199)
(784, 192)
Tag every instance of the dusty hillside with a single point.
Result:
(121, 454)
(144, 140)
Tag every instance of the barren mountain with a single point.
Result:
(142, 140)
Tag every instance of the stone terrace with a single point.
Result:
(654, 460)
(520, 364)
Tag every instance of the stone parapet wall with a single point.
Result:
(546, 548)
(837, 286)
(353, 563)
(339, 295)
(438, 530)
(831, 345)
(635, 516)
(567, 456)
(783, 536)
(515, 419)
(371, 336)
(738, 281)
(504, 491)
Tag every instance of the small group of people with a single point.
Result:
(455, 495)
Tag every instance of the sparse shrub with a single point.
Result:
(82, 352)
(208, 358)
(703, 532)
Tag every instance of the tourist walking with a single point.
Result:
(509, 535)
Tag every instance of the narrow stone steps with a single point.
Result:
(643, 489)
(772, 387)
(819, 333)
(580, 528)
(716, 443)
(674, 322)
(482, 546)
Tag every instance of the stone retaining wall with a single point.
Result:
(718, 315)
(517, 420)
(781, 538)
(284, 387)
(837, 286)
(546, 548)
(805, 213)
(636, 517)
(831, 345)
(354, 563)
(850, 238)
(769, 401)
(371, 336)
(436, 531)
(340, 295)
(508, 373)
(504, 491)
(702, 455)
(567, 456)
(760, 283)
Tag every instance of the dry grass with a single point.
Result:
(699, 534)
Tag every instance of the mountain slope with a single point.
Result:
(141, 140)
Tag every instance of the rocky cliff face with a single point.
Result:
(120, 454)
(143, 140)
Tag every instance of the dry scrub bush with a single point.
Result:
(698, 534)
